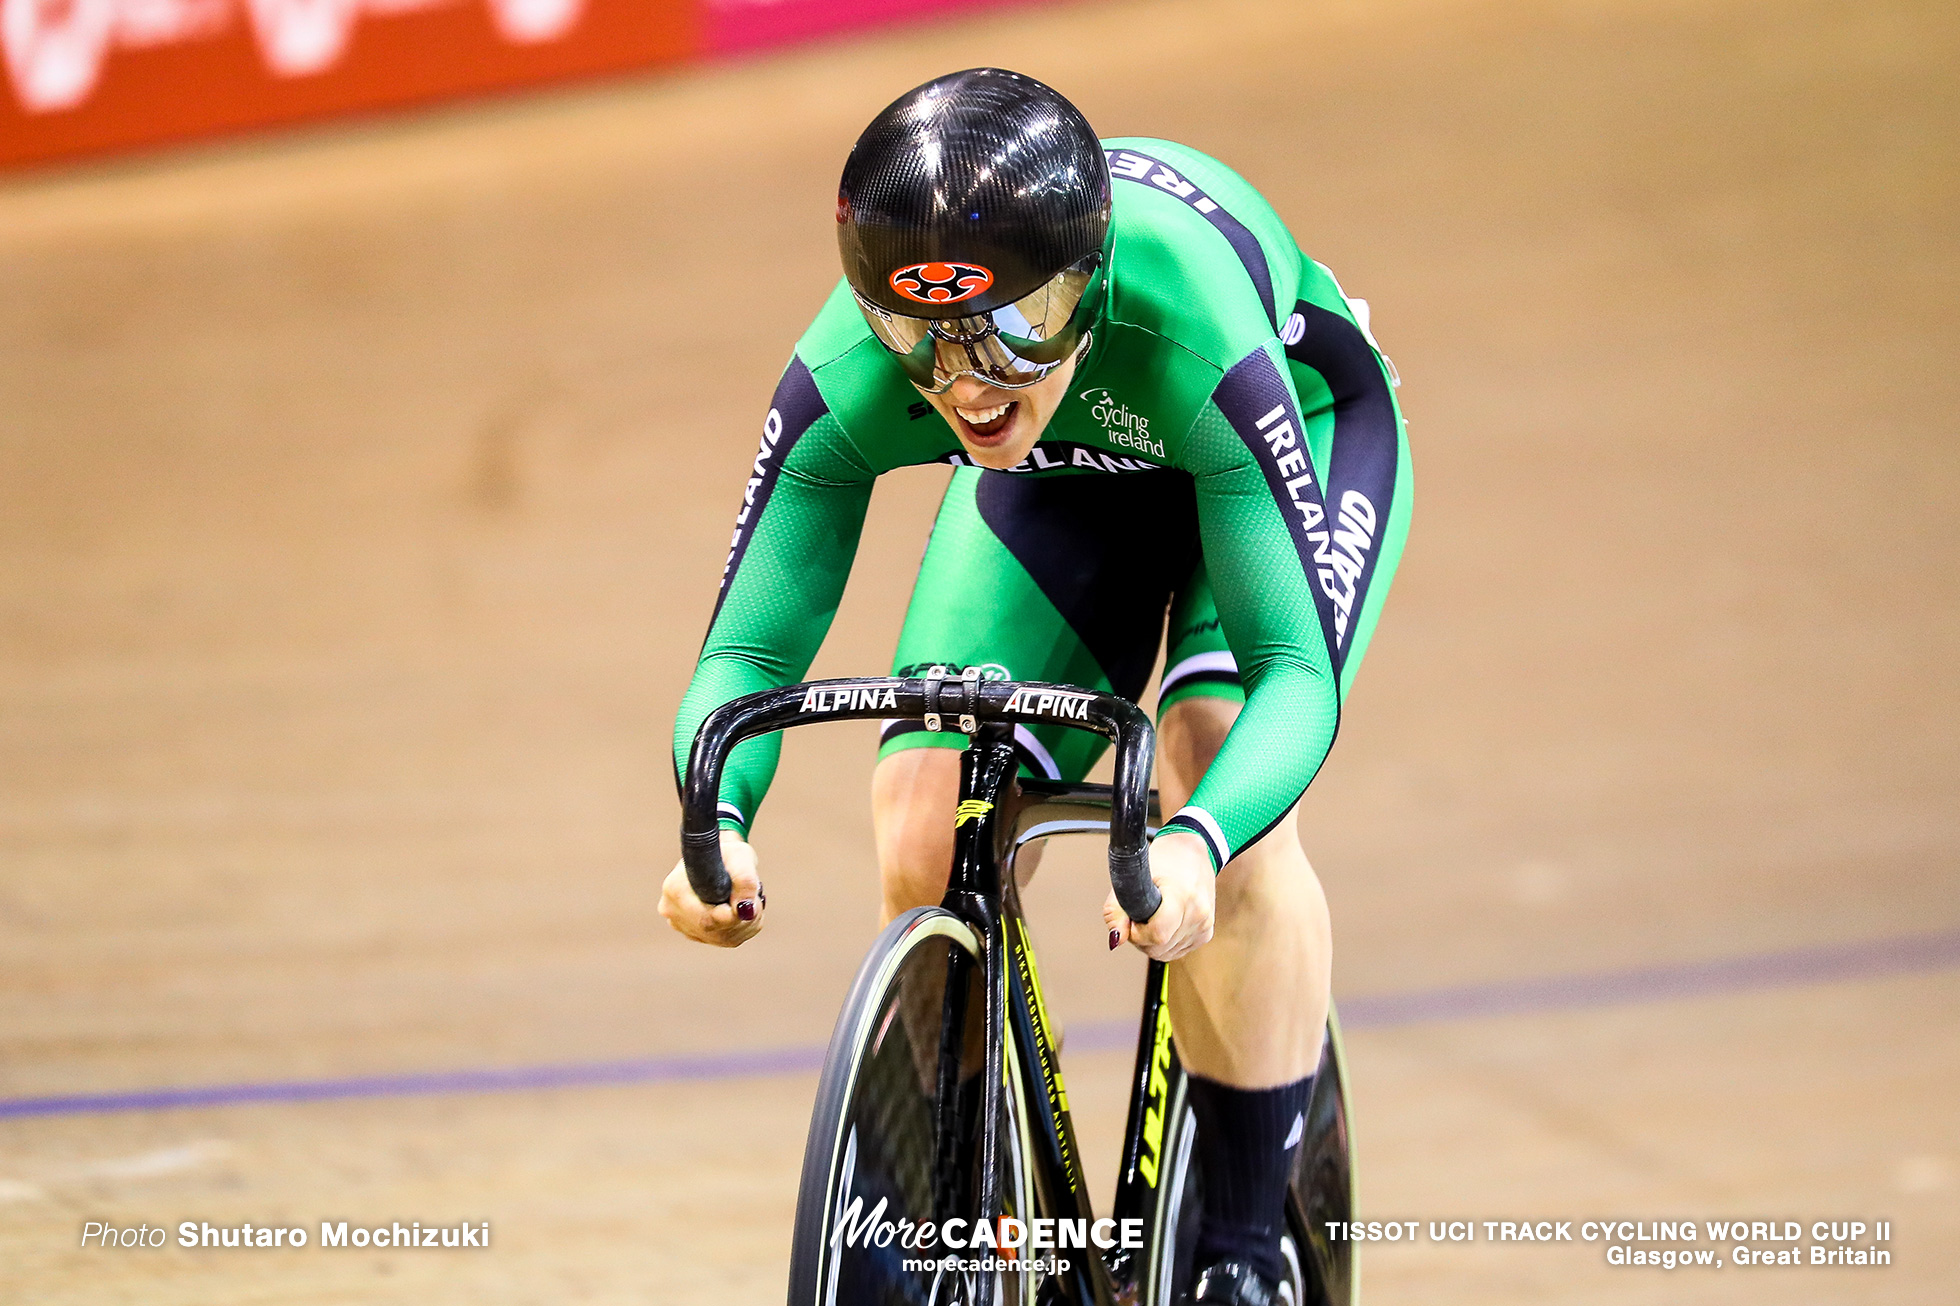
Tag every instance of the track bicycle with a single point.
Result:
(941, 1167)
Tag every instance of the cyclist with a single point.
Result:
(1154, 403)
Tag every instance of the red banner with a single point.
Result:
(88, 75)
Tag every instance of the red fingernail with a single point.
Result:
(1115, 937)
(745, 909)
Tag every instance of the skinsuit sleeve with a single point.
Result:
(795, 536)
(1302, 514)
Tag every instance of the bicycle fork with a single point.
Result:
(979, 894)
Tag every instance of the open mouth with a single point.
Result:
(984, 424)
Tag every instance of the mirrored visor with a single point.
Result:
(1012, 346)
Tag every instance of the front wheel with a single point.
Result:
(1319, 1271)
(891, 1187)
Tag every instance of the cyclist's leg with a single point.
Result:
(1249, 1006)
(1063, 579)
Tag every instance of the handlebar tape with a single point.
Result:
(1129, 875)
(701, 853)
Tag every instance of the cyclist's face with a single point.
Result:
(998, 427)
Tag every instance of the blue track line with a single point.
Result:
(1835, 963)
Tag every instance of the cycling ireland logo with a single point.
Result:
(1123, 427)
(941, 283)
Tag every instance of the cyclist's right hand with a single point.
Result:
(730, 924)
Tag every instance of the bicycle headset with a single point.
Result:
(973, 220)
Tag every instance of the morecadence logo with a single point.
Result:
(958, 1249)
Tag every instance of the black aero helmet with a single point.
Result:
(973, 220)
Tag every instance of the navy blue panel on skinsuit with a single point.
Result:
(1254, 399)
(1132, 165)
(1361, 468)
(1107, 551)
(795, 409)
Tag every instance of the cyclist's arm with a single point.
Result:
(1261, 507)
(796, 533)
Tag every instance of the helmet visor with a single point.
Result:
(1012, 346)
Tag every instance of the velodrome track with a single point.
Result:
(362, 495)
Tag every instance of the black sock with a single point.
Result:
(1247, 1141)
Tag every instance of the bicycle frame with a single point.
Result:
(997, 818)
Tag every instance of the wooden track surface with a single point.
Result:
(363, 491)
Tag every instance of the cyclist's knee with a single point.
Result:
(1189, 736)
(913, 793)
(1272, 885)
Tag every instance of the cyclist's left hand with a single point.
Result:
(1181, 869)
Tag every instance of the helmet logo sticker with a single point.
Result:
(941, 283)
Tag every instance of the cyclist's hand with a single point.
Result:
(724, 925)
(1181, 869)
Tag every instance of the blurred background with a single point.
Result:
(364, 485)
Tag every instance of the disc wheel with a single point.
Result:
(895, 1136)
(1319, 1272)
